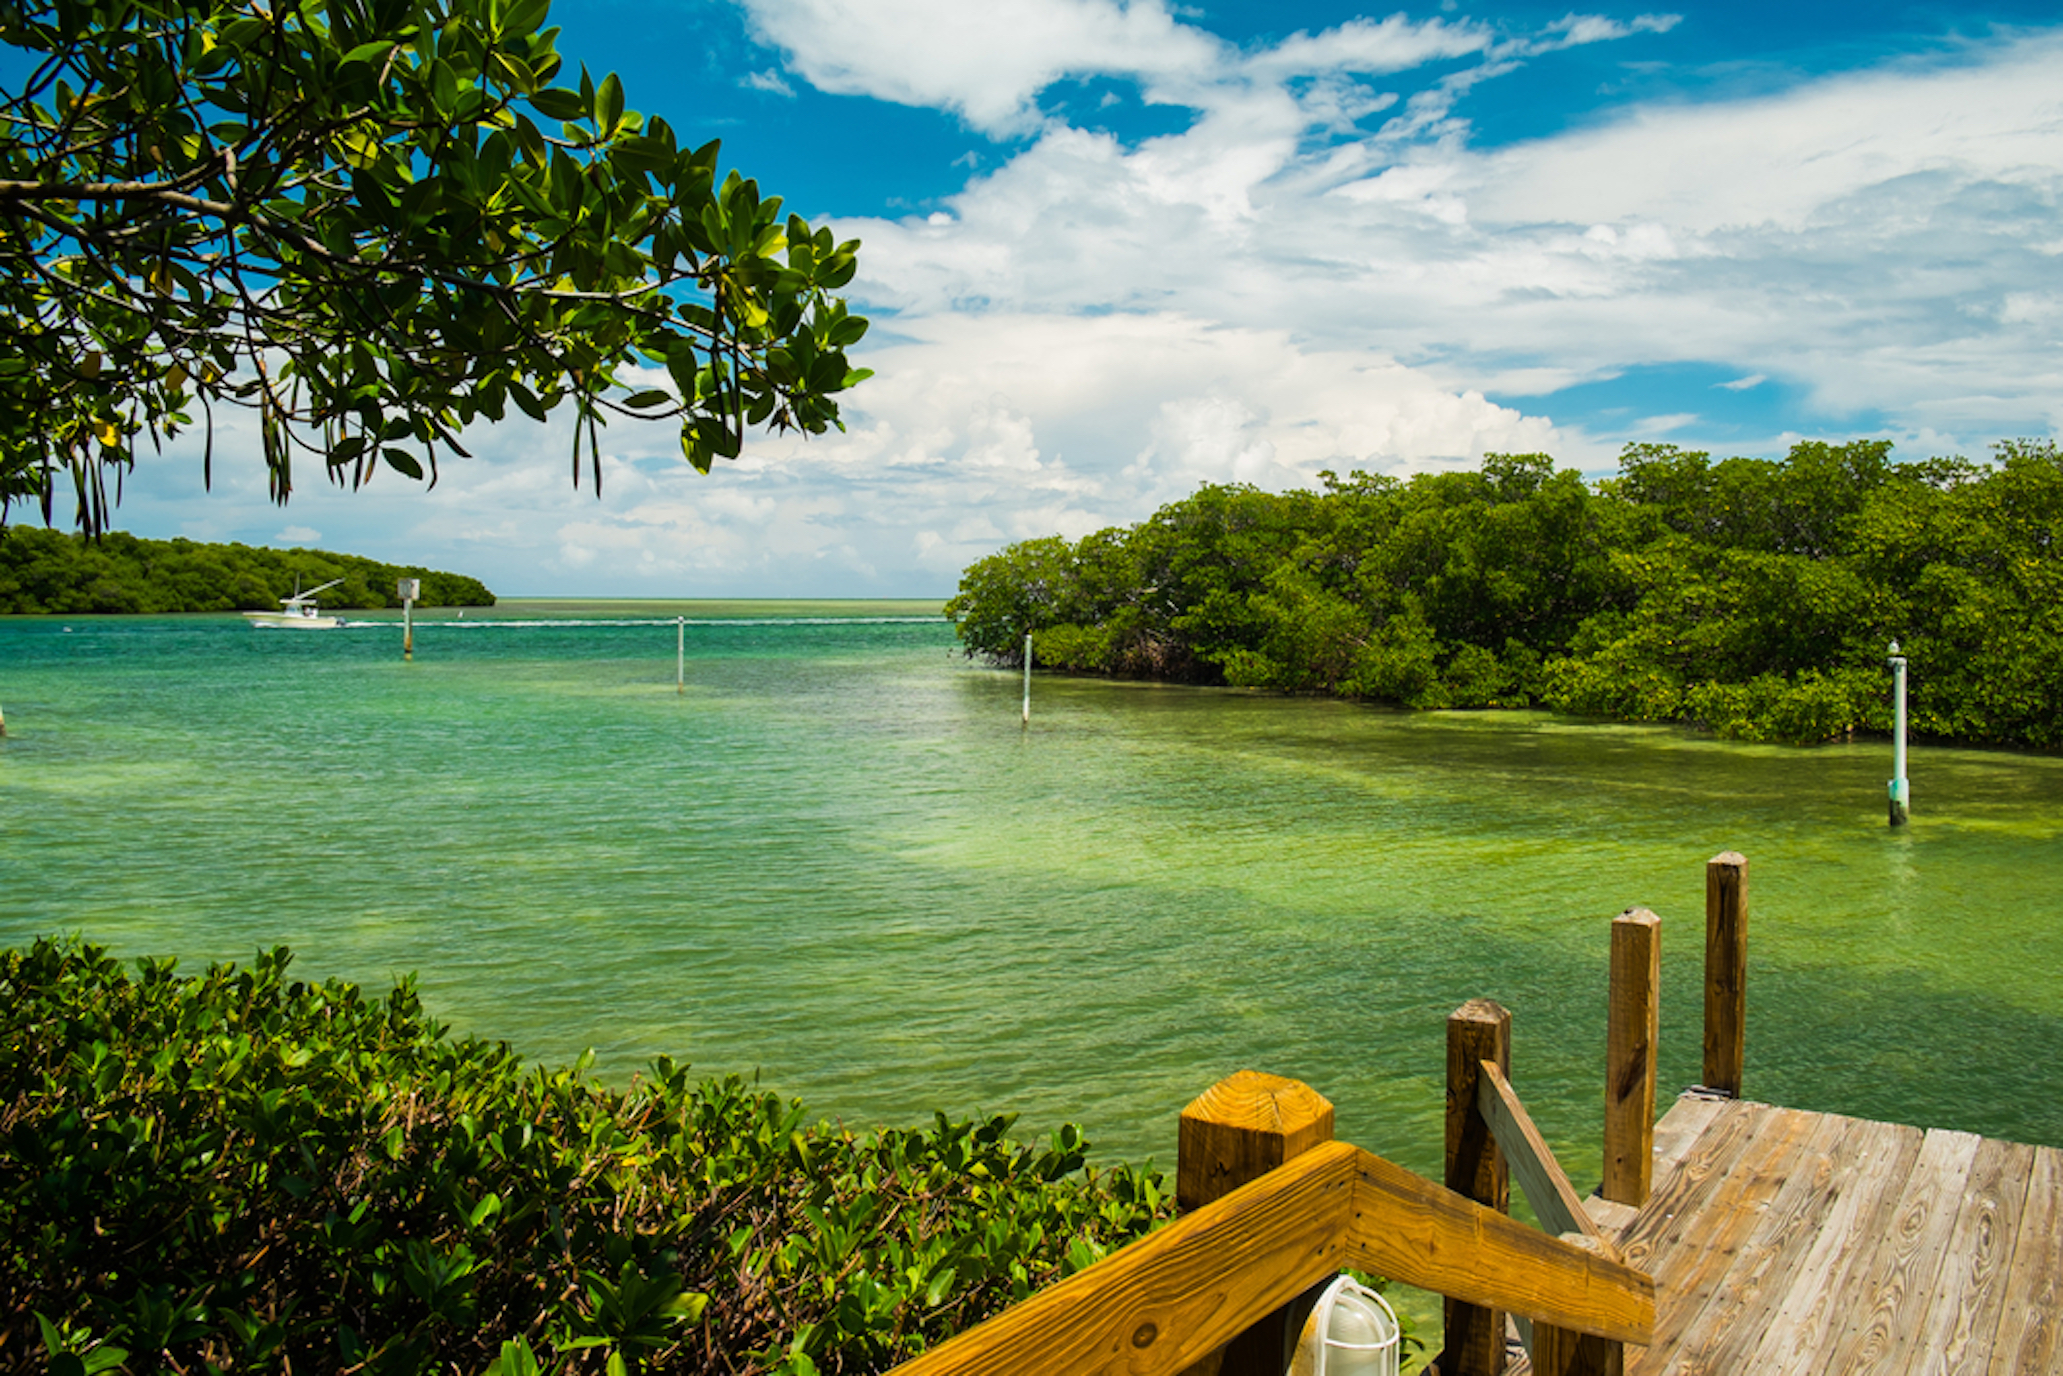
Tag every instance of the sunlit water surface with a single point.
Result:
(839, 861)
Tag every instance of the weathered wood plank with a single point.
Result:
(1686, 1119)
(1703, 1244)
(1726, 970)
(2030, 1334)
(1957, 1331)
(1531, 1161)
(1731, 1321)
(1902, 1275)
(1701, 1170)
(1611, 1217)
(1177, 1295)
(1416, 1233)
(1797, 1332)
(1632, 1026)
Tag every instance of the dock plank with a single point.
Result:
(1701, 1170)
(1686, 1119)
(1957, 1331)
(1731, 1323)
(2032, 1322)
(1903, 1271)
(1798, 1329)
(1704, 1243)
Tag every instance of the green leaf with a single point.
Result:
(401, 461)
(555, 102)
(516, 1359)
(693, 449)
(609, 104)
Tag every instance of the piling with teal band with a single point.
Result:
(1900, 790)
(1027, 678)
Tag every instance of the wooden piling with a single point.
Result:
(1478, 1031)
(1236, 1131)
(1726, 970)
(1633, 1024)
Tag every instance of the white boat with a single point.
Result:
(298, 612)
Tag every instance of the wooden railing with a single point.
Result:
(1273, 1208)
(1219, 1289)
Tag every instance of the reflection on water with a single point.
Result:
(841, 861)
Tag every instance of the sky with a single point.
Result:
(1114, 251)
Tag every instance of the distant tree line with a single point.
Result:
(1754, 597)
(50, 571)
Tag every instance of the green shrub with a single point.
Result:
(236, 1171)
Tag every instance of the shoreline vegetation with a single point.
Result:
(1754, 598)
(48, 572)
(241, 1171)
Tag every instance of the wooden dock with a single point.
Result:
(1783, 1241)
(1730, 1236)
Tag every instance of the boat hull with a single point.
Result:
(287, 622)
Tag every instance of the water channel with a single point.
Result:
(840, 862)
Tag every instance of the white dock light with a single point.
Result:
(1351, 1332)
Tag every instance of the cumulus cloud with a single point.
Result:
(986, 62)
(1882, 240)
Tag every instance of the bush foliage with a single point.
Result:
(49, 571)
(1752, 596)
(241, 1172)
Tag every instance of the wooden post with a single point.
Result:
(1632, 1025)
(1478, 1031)
(1726, 970)
(1238, 1130)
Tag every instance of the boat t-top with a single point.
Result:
(299, 611)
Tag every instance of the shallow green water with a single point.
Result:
(839, 860)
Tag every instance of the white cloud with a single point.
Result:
(1574, 30)
(298, 535)
(985, 62)
(1742, 384)
(772, 82)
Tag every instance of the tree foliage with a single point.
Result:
(47, 571)
(373, 223)
(1756, 597)
(238, 1171)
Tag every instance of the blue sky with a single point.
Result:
(1114, 251)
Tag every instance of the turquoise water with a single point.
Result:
(839, 861)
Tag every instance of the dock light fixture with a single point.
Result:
(1901, 793)
(1352, 1331)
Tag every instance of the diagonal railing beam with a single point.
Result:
(1173, 1297)
(1178, 1294)
(1409, 1229)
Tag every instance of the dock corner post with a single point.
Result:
(1633, 1026)
(1236, 1131)
(1726, 970)
(1478, 1031)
